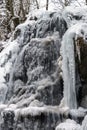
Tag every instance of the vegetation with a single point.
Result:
(15, 12)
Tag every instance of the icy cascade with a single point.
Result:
(68, 64)
(31, 73)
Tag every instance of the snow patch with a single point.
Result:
(68, 125)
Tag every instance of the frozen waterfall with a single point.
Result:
(68, 67)
(68, 63)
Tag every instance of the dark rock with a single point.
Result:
(8, 120)
(49, 93)
(82, 70)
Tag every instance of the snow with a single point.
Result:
(44, 83)
(36, 103)
(34, 110)
(38, 14)
(68, 125)
(23, 101)
(73, 15)
(84, 124)
(77, 113)
(59, 5)
(11, 107)
(2, 107)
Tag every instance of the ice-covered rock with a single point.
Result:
(77, 114)
(37, 67)
(14, 64)
(68, 125)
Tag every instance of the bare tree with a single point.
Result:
(15, 12)
(62, 3)
(9, 14)
(28, 3)
(9, 6)
(66, 2)
(47, 3)
(37, 4)
(22, 11)
(86, 2)
(3, 21)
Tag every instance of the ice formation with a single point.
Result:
(68, 67)
(68, 63)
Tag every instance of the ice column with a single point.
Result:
(68, 68)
